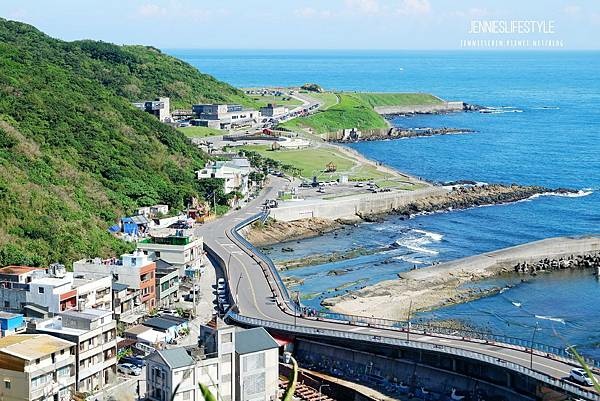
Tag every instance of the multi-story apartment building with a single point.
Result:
(54, 289)
(181, 248)
(235, 174)
(94, 333)
(36, 367)
(257, 364)
(135, 270)
(210, 363)
(167, 284)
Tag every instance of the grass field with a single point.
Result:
(350, 112)
(285, 100)
(398, 99)
(327, 99)
(200, 132)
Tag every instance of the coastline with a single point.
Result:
(441, 285)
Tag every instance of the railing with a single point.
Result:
(389, 324)
(256, 252)
(542, 377)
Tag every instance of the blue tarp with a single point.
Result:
(114, 229)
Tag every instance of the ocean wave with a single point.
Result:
(546, 108)
(416, 239)
(553, 319)
(408, 259)
(579, 194)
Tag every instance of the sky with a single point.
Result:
(308, 24)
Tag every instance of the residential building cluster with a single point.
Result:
(75, 335)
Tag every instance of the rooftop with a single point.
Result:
(253, 340)
(139, 329)
(176, 357)
(88, 313)
(32, 346)
(8, 315)
(16, 270)
(160, 323)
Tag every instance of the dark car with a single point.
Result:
(139, 362)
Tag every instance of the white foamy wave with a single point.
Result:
(416, 239)
(579, 194)
(554, 319)
(504, 289)
(434, 236)
(517, 304)
(408, 259)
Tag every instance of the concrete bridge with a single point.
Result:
(261, 299)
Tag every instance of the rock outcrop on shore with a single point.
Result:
(466, 196)
(273, 232)
(442, 284)
(399, 133)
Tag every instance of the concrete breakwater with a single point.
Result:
(443, 284)
(586, 261)
(444, 107)
(346, 136)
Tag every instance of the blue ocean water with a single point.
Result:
(548, 134)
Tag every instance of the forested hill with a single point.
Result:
(74, 154)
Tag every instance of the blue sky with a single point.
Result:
(302, 24)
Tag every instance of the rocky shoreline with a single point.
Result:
(461, 195)
(467, 196)
(400, 133)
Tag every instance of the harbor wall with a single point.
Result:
(350, 206)
(445, 107)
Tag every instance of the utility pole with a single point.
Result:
(535, 329)
(408, 321)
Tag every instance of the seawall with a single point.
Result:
(445, 107)
(349, 207)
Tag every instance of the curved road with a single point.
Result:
(257, 296)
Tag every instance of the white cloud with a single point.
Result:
(414, 7)
(309, 12)
(364, 6)
(151, 10)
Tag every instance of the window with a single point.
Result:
(6, 304)
(64, 372)
(40, 290)
(157, 253)
(254, 384)
(187, 395)
(226, 338)
(7, 384)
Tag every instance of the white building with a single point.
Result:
(257, 364)
(234, 172)
(223, 116)
(273, 110)
(160, 108)
(180, 248)
(211, 363)
(37, 367)
(94, 333)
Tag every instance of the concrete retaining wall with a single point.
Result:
(445, 107)
(350, 206)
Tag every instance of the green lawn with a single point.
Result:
(201, 132)
(327, 99)
(350, 112)
(311, 161)
(398, 99)
(284, 100)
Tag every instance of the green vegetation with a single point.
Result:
(351, 112)
(75, 155)
(398, 99)
(201, 132)
(309, 162)
(289, 391)
(206, 393)
(327, 99)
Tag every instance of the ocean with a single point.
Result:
(546, 132)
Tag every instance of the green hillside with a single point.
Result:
(74, 154)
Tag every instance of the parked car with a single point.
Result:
(129, 369)
(580, 376)
(133, 360)
(221, 281)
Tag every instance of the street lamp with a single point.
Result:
(535, 329)
(320, 387)
(237, 286)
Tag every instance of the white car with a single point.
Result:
(580, 376)
(129, 369)
(221, 281)
(221, 291)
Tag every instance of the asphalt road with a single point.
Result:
(252, 293)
